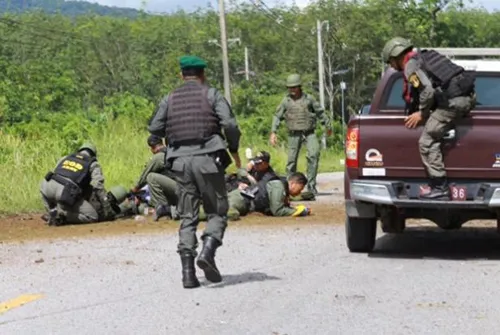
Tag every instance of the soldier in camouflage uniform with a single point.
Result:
(159, 179)
(76, 182)
(272, 196)
(193, 118)
(301, 113)
(444, 93)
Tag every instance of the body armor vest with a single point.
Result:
(438, 67)
(298, 116)
(261, 201)
(259, 175)
(76, 167)
(449, 79)
(190, 118)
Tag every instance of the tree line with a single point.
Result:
(54, 67)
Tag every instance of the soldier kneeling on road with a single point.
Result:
(74, 192)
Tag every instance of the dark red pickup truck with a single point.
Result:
(384, 174)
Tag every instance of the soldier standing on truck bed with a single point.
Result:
(193, 118)
(444, 93)
(300, 111)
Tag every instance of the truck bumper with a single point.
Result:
(393, 193)
(356, 209)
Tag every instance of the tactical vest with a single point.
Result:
(76, 167)
(439, 68)
(298, 114)
(190, 118)
(259, 175)
(261, 201)
(449, 79)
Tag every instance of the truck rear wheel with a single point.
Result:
(360, 234)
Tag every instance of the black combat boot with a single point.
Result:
(161, 211)
(45, 217)
(206, 260)
(55, 218)
(189, 279)
(439, 190)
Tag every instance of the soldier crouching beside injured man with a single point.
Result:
(74, 192)
(160, 180)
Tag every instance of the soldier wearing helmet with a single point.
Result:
(443, 92)
(74, 192)
(301, 112)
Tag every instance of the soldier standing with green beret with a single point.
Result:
(301, 112)
(193, 118)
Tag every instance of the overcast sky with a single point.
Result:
(188, 5)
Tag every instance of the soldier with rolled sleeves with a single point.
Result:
(160, 180)
(443, 92)
(193, 118)
(301, 112)
(74, 192)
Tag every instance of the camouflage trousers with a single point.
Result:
(295, 141)
(439, 123)
(200, 182)
(82, 211)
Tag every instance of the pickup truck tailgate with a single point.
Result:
(388, 149)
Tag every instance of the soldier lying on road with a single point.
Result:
(270, 196)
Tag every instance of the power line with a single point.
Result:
(261, 6)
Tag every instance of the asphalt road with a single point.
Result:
(282, 279)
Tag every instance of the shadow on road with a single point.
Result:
(466, 243)
(243, 278)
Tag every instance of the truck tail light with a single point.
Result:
(352, 148)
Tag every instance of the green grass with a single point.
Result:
(122, 152)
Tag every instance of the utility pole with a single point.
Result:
(247, 74)
(246, 71)
(225, 60)
(343, 87)
(321, 70)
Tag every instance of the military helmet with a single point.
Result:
(293, 80)
(395, 47)
(88, 146)
(119, 193)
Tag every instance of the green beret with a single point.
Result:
(192, 62)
